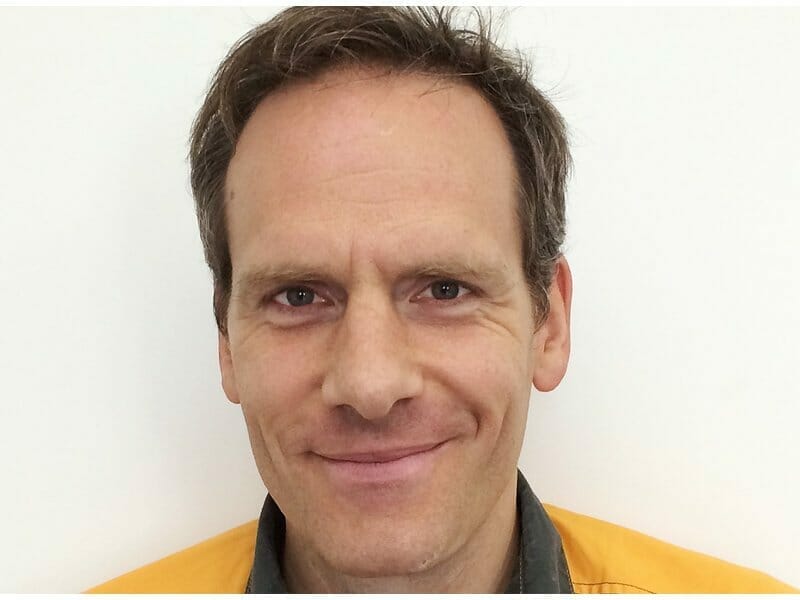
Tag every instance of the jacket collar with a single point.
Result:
(541, 568)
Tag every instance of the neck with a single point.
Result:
(484, 564)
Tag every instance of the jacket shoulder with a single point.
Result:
(603, 557)
(220, 564)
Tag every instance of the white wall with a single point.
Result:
(678, 416)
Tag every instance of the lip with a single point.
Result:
(380, 455)
(382, 468)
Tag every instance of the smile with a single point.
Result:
(381, 467)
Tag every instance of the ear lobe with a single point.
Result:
(551, 354)
(226, 369)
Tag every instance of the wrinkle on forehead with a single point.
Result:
(367, 163)
(344, 108)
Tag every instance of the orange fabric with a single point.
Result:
(602, 558)
(606, 558)
(219, 565)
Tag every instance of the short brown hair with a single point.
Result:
(301, 42)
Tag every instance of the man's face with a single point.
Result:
(380, 331)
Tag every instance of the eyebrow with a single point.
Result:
(257, 279)
(488, 272)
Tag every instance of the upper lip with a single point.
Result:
(379, 454)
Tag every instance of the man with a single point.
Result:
(381, 202)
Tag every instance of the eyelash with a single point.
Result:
(288, 308)
(461, 286)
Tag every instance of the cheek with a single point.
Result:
(275, 382)
(486, 371)
(271, 369)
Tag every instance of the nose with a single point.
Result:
(372, 363)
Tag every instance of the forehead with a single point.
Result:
(353, 154)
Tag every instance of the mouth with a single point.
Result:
(380, 455)
(381, 466)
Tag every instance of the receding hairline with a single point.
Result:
(349, 73)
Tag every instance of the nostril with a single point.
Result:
(358, 421)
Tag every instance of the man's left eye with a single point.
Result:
(446, 289)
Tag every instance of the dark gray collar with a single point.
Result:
(541, 566)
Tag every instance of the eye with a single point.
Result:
(446, 289)
(296, 296)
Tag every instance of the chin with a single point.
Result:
(382, 560)
(387, 548)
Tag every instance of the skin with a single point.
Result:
(372, 191)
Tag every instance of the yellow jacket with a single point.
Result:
(601, 557)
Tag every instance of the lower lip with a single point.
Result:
(406, 469)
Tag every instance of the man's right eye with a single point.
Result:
(296, 296)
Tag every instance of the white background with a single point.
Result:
(678, 415)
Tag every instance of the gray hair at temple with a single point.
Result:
(302, 42)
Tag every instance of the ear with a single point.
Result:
(551, 351)
(226, 369)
